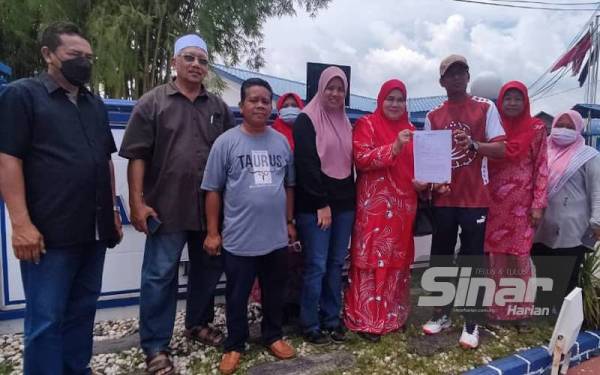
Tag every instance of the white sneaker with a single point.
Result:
(434, 326)
(469, 340)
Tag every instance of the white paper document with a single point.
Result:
(432, 150)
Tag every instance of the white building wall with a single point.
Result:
(231, 93)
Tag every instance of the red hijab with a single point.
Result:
(520, 130)
(282, 126)
(387, 130)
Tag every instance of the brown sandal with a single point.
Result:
(159, 362)
(205, 335)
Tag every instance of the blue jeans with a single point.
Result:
(159, 286)
(204, 273)
(61, 294)
(324, 255)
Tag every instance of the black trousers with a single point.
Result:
(241, 272)
(562, 265)
(446, 222)
(204, 274)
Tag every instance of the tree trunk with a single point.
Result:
(146, 77)
(161, 13)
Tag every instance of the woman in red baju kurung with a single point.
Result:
(518, 191)
(382, 250)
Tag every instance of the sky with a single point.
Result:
(407, 39)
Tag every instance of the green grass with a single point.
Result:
(402, 352)
(395, 354)
(5, 368)
(398, 353)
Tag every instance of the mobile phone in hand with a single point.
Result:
(153, 224)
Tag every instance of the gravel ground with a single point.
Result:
(397, 353)
(129, 361)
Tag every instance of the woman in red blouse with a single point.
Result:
(518, 193)
(382, 250)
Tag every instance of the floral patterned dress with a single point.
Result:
(382, 249)
(516, 187)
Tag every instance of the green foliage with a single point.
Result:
(133, 40)
(589, 282)
(5, 368)
(20, 24)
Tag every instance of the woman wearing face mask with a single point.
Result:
(324, 205)
(518, 192)
(573, 200)
(377, 299)
(289, 106)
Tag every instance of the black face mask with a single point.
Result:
(77, 71)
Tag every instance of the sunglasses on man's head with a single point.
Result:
(190, 59)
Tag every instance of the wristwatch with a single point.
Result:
(116, 209)
(291, 221)
(474, 146)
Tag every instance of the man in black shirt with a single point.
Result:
(56, 177)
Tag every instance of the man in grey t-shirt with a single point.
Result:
(250, 169)
(253, 172)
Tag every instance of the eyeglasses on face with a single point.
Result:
(393, 100)
(190, 59)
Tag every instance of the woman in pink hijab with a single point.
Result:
(324, 204)
(573, 210)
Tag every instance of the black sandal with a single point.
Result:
(205, 335)
(159, 362)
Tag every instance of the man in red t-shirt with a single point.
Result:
(477, 135)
